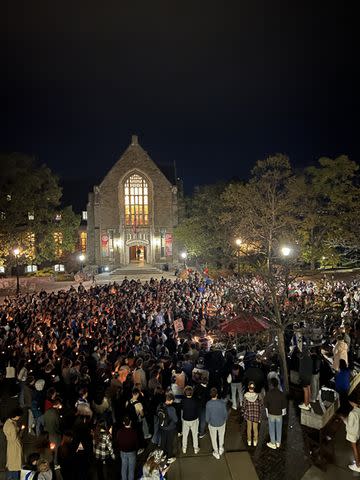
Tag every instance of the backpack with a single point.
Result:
(163, 415)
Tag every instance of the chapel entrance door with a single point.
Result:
(137, 253)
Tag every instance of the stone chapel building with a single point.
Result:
(132, 213)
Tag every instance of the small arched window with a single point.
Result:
(136, 201)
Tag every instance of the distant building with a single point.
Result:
(132, 213)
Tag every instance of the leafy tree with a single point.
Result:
(200, 231)
(30, 211)
(326, 209)
(259, 211)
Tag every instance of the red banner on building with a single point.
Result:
(168, 244)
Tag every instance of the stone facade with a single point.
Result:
(115, 239)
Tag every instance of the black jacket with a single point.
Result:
(190, 409)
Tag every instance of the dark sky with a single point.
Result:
(213, 85)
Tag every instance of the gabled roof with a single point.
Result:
(167, 170)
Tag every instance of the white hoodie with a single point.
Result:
(251, 396)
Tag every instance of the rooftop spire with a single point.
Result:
(134, 140)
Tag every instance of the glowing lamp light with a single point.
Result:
(16, 251)
(183, 255)
(106, 269)
(82, 257)
(285, 251)
(238, 242)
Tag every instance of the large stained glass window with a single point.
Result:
(136, 201)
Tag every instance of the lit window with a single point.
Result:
(58, 217)
(8, 198)
(31, 216)
(30, 240)
(59, 267)
(84, 215)
(2, 269)
(136, 201)
(58, 239)
(31, 268)
(83, 238)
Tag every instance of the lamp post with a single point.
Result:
(286, 252)
(184, 257)
(82, 260)
(17, 253)
(238, 242)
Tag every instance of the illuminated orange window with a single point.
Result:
(58, 240)
(30, 240)
(136, 201)
(83, 239)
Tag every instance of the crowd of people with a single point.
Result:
(92, 377)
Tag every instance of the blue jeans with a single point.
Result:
(128, 463)
(12, 475)
(275, 428)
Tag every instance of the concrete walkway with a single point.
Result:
(235, 464)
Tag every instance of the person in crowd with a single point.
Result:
(43, 470)
(52, 422)
(237, 395)
(252, 414)
(275, 406)
(30, 468)
(155, 467)
(305, 375)
(342, 385)
(66, 454)
(216, 416)
(127, 443)
(14, 445)
(340, 352)
(254, 373)
(167, 419)
(103, 450)
(190, 419)
(315, 378)
(202, 395)
(352, 424)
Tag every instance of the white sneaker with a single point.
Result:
(184, 451)
(304, 407)
(196, 450)
(171, 460)
(249, 443)
(216, 455)
(255, 443)
(277, 445)
(354, 467)
(221, 451)
(271, 445)
(234, 407)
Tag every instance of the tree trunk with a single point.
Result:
(283, 362)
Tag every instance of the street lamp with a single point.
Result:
(17, 253)
(285, 251)
(184, 257)
(82, 260)
(238, 242)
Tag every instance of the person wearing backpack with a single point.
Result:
(167, 419)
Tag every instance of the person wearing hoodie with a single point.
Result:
(252, 413)
(352, 424)
(43, 470)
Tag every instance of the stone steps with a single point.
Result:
(136, 271)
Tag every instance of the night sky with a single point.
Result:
(212, 85)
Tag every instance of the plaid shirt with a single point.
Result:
(252, 410)
(103, 448)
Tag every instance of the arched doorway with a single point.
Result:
(138, 254)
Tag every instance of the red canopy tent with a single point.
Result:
(245, 323)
